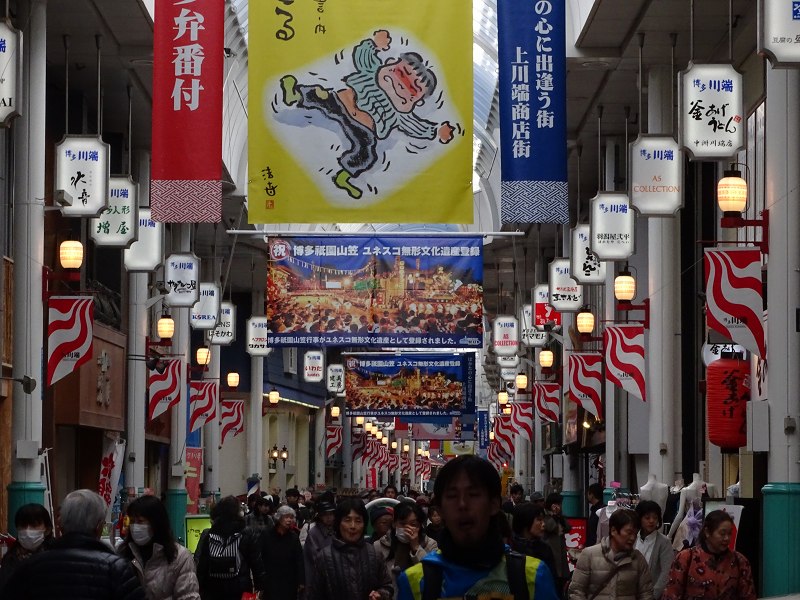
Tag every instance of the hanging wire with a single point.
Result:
(516, 283)
(674, 39)
(691, 30)
(66, 83)
(538, 254)
(599, 146)
(641, 81)
(98, 39)
(130, 130)
(627, 154)
(730, 31)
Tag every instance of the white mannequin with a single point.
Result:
(693, 491)
(655, 491)
(603, 515)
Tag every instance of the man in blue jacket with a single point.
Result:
(473, 560)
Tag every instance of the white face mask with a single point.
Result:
(401, 536)
(30, 539)
(141, 533)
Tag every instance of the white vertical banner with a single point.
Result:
(585, 266)
(181, 277)
(313, 366)
(147, 252)
(565, 294)
(10, 60)
(779, 32)
(110, 471)
(117, 226)
(335, 378)
(656, 176)
(529, 335)
(612, 226)
(257, 328)
(505, 335)
(224, 332)
(203, 314)
(82, 174)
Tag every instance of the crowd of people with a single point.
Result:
(464, 542)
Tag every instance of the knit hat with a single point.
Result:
(379, 512)
(283, 511)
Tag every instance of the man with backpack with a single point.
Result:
(473, 560)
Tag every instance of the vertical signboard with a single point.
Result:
(10, 59)
(565, 294)
(224, 332)
(117, 226)
(505, 336)
(656, 176)
(543, 312)
(612, 226)
(335, 378)
(779, 32)
(147, 252)
(313, 366)
(530, 336)
(585, 266)
(82, 174)
(181, 274)
(204, 313)
(257, 328)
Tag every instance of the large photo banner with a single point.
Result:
(362, 109)
(381, 291)
(397, 385)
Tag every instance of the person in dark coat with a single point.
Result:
(78, 564)
(283, 558)
(595, 497)
(34, 535)
(528, 528)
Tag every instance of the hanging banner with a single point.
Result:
(203, 314)
(181, 276)
(656, 176)
(547, 397)
(402, 385)
(164, 387)
(231, 422)
(381, 291)
(508, 361)
(224, 332)
(565, 294)
(522, 419)
(734, 296)
(496, 455)
(483, 429)
(504, 435)
(529, 335)
(533, 111)
(313, 366)
(624, 360)
(257, 329)
(146, 253)
(543, 312)
(453, 449)
(394, 463)
(362, 110)
(335, 378)
(434, 431)
(82, 174)
(612, 226)
(188, 56)
(586, 381)
(405, 465)
(70, 333)
(194, 466)
(333, 440)
(358, 444)
(779, 32)
(10, 60)
(110, 471)
(117, 226)
(505, 336)
(585, 267)
(711, 111)
(203, 399)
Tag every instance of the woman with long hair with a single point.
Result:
(711, 569)
(164, 567)
(528, 530)
(34, 535)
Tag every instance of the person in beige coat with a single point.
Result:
(613, 569)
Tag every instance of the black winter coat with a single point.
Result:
(76, 566)
(349, 572)
(251, 571)
(283, 562)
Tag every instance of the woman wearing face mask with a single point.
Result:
(34, 534)
(165, 568)
(406, 543)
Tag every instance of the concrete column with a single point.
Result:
(609, 314)
(781, 528)
(285, 436)
(412, 453)
(319, 445)
(211, 462)
(347, 453)
(664, 288)
(397, 475)
(29, 181)
(521, 460)
(538, 461)
(137, 380)
(255, 439)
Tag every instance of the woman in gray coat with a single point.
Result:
(654, 545)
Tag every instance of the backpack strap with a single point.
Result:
(432, 580)
(517, 578)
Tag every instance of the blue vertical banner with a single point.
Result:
(533, 111)
(483, 429)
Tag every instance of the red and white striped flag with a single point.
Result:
(625, 366)
(70, 332)
(164, 388)
(497, 455)
(424, 468)
(333, 439)
(231, 419)
(734, 296)
(504, 434)
(522, 419)
(586, 381)
(203, 397)
(405, 465)
(548, 401)
(394, 463)
(358, 441)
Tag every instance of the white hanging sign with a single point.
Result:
(204, 313)
(181, 275)
(508, 373)
(224, 332)
(585, 266)
(612, 226)
(147, 252)
(10, 60)
(543, 312)
(529, 335)
(505, 337)
(118, 224)
(779, 32)
(313, 366)
(257, 329)
(82, 174)
(335, 378)
(508, 361)
(565, 294)
(656, 176)
(711, 111)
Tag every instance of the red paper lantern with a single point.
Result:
(727, 393)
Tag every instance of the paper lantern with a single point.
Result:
(70, 254)
(233, 379)
(165, 326)
(727, 393)
(624, 287)
(732, 192)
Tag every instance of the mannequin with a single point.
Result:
(603, 515)
(691, 493)
(655, 491)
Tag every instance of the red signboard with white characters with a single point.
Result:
(543, 313)
(194, 465)
(576, 540)
(186, 172)
(586, 381)
(70, 327)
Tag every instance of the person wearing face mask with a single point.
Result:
(406, 542)
(165, 568)
(34, 535)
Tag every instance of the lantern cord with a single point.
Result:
(691, 30)
(600, 185)
(674, 39)
(579, 152)
(516, 282)
(8, 10)
(730, 31)
(627, 157)
(66, 85)
(230, 256)
(130, 130)
(641, 81)
(98, 39)
(538, 254)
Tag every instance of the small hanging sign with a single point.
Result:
(10, 60)
(147, 252)
(711, 111)
(257, 328)
(585, 267)
(117, 226)
(779, 32)
(508, 361)
(335, 378)
(82, 174)
(505, 338)
(204, 313)
(543, 312)
(313, 366)
(224, 332)
(181, 274)
(529, 335)
(565, 294)
(612, 226)
(508, 373)
(656, 176)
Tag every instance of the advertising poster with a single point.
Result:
(386, 385)
(375, 291)
(194, 466)
(576, 540)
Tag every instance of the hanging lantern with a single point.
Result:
(379, 435)
(406, 447)
(546, 358)
(385, 441)
(394, 445)
(233, 379)
(203, 355)
(727, 393)
(507, 409)
(491, 436)
(70, 254)
(624, 286)
(359, 420)
(585, 320)
(419, 451)
(274, 396)
(165, 326)
(732, 193)
(335, 412)
(502, 398)
(521, 381)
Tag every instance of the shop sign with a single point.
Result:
(712, 352)
(204, 313)
(147, 252)
(529, 335)
(257, 336)
(612, 226)
(181, 274)
(335, 378)
(508, 373)
(82, 174)
(505, 338)
(313, 366)
(508, 361)
(585, 266)
(10, 60)
(565, 294)
(543, 312)
(779, 32)
(224, 332)
(656, 176)
(116, 226)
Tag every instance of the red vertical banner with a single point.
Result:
(186, 180)
(194, 463)
(70, 333)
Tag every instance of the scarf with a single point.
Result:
(483, 555)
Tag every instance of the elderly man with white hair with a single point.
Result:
(79, 565)
(283, 557)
